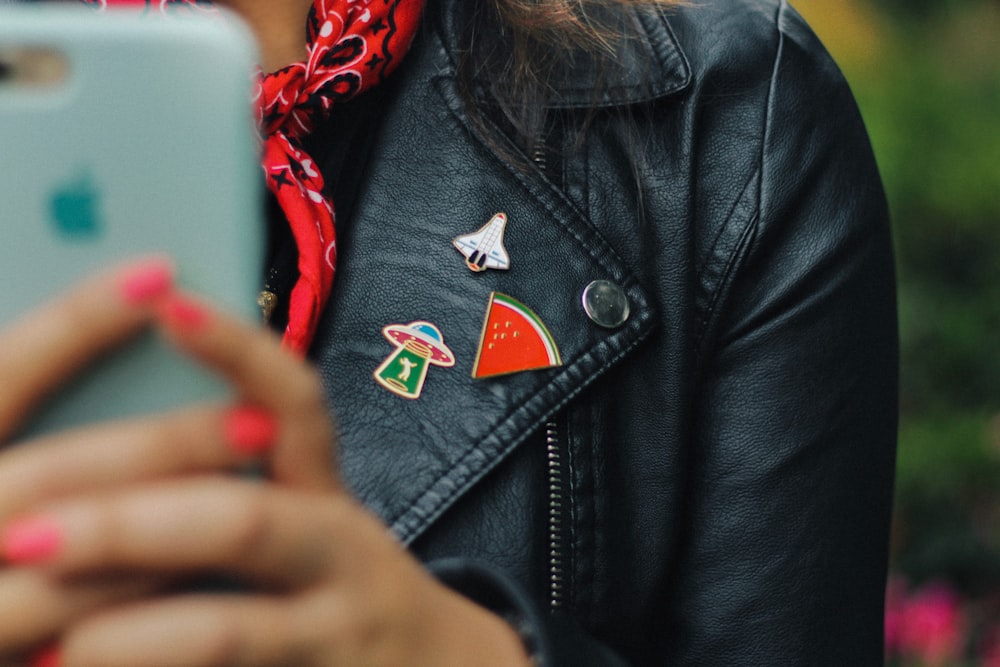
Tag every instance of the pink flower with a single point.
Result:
(931, 625)
(989, 654)
(895, 608)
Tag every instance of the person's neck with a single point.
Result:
(280, 27)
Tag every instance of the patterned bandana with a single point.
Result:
(352, 45)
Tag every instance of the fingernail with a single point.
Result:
(183, 314)
(250, 430)
(147, 281)
(30, 540)
(50, 656)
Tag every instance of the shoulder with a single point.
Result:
(712, 48)
(744, 40)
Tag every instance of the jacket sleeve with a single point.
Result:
(551, 639)
(785, 545)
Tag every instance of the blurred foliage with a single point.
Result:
(948, 502)
(927, 77)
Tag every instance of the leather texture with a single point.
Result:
(725, 456)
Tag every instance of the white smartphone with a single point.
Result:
(124, 134)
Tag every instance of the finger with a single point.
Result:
(41, 349)
(35, 606)
(323, 627)
(269, 535)
(252, 359)
(190, 631)
(108, 456)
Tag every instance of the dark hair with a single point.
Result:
(512, 50)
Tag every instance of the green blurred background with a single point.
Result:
(927, 77)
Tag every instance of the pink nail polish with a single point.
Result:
(30, 540)
(147, 281)
(49, 656)
(183, 314)
(250, 430)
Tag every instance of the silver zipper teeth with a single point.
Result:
(556, 570)
(557, 579)
(539, 158)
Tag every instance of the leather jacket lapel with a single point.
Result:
(409, 460)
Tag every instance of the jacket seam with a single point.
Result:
(746, 237)
(570, 541)
(731, 260)
(768, 108)
(771, 95)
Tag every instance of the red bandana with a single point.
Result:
(352, 45)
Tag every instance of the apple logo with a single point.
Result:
(74, 211)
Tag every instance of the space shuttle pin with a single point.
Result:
(484, 249)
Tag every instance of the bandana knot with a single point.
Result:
(352, 45)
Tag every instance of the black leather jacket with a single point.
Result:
(707, 482)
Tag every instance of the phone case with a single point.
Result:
(123, 134)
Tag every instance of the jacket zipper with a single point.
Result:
(557, 557)
(538, 155)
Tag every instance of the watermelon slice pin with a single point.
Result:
(514, 339)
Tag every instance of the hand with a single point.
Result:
(101, 521)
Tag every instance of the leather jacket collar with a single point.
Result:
(646, 67)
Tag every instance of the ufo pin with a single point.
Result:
(418, 345)
(484, 249)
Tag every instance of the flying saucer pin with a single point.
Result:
(418, 346)
(484, 248)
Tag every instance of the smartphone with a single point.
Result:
(124, 133)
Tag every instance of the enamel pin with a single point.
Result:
(514, 339)
(484, 249)
(418, 346)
